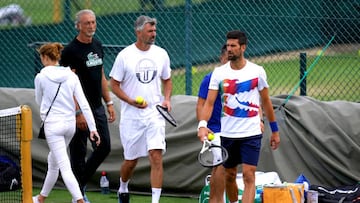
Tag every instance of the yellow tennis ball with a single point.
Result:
(139, 100)
(320, 52)
(193, 69)
(211, 136)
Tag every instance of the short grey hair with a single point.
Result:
(80, 13)
(142, 20)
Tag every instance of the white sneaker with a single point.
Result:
(86, 199)
(35, 199)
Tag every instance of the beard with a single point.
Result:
(232, 57)
(150, 41)
(90, 34)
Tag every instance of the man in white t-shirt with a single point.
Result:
(142, 69)
(241, 84)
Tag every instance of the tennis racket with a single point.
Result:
(212, 155)
(166, 114)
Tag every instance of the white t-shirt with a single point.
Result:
(239, 90)
(140, 74)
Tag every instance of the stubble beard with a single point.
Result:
(151, 41)
(233, 57)
(90, 34)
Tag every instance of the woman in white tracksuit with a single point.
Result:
(61, 122)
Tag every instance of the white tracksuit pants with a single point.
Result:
(58, 137)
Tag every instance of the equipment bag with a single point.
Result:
(340, 194)
(284, 193)
(9, 174)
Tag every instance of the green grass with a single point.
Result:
(42, 12)
(333, 77)
(63, 196)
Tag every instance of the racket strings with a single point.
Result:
(167, 115)
(207, 157)
(164, 112)
(213, 156)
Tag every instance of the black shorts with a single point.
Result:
(242, 150)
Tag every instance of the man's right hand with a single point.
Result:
(203, 133)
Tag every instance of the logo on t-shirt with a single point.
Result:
(146, 70)
(93, 60)
(238, 97)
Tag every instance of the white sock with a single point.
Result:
(156, 192)
(124, 186)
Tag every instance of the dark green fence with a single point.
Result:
(193, 32)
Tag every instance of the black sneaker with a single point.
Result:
(124, 197)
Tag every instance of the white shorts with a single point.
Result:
(140, 136)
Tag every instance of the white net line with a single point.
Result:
(10, 111)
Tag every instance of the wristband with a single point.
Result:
(202, 124)
(273, 126)
(109, 103)
(78, 112)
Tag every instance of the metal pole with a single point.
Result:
(302, 73)
(188, 58)
(56, 13)
(67, 11)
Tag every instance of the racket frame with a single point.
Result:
(207, 145)
(163, 110)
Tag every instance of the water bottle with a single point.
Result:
(104, 183)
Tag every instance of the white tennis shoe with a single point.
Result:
(35, 199)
